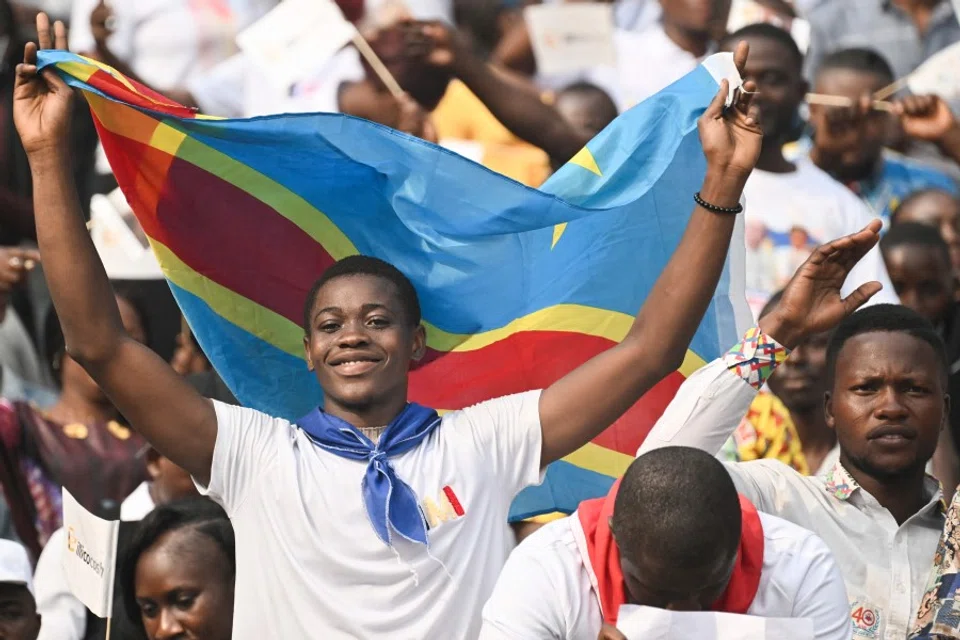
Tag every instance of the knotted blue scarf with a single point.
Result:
(390, 501)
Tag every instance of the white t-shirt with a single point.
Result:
(788, 215)
(663, 62)
(239, 88)
(166, 42)
(63, 616)
(630, 15)
(309, 564)
(545, 591)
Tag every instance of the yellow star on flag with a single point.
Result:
(586, 160)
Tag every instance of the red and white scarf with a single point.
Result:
(601, 557)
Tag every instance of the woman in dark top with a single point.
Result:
(79, 443)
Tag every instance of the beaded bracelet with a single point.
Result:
(714, 208)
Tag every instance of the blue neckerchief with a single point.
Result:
(390, 501)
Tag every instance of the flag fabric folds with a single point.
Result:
(518, 286)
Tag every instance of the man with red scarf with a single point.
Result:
(672, 534)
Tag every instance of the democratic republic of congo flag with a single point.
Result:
(518, 286)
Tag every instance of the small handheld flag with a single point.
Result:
(90, 561)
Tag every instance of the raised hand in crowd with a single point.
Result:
(42, 100)
(929, 118)
(732, 137)
(15, 264)
(101, 26)
(511, 98)
(811, 303)
(79, 287)
(657, 342)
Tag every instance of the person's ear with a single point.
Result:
(306, 352)
(419, 343)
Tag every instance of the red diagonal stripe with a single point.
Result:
(532, 360)
(220, 231)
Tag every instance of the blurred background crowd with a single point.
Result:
(844, 143)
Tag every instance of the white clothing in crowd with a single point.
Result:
(546, 591)
(168, 42)
(885, 566)
(788, 216)
(15, 565)
(238, 88)
(630, 15)
(63, 616)
(663, 61)
(309, 564)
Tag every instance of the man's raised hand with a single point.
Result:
(811, 302)
(42, 100)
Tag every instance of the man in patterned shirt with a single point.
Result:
(879, 513)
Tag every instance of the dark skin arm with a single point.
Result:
(656, 344)
(510, 99)
(811, 301)
(178, 422)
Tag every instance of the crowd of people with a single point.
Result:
(808, 473)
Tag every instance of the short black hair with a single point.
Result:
(202, 515)
(607, 108)
(770, 32)
(366, 266)
(858, 59)
(680, 504)
(915, 197)
(915, 234)
(889, 318)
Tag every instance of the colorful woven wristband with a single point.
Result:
(756, 357)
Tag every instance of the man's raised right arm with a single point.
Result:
(711, 403)
(168, 412)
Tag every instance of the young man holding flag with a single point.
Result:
(313, 560)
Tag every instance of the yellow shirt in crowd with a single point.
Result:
(767, 431)
(461, 116)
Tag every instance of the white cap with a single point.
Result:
(15, 565)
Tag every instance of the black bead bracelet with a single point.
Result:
(714, 208)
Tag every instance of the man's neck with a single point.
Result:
(370, 417)
(903, 497)
(771, 158)
(696, 44)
